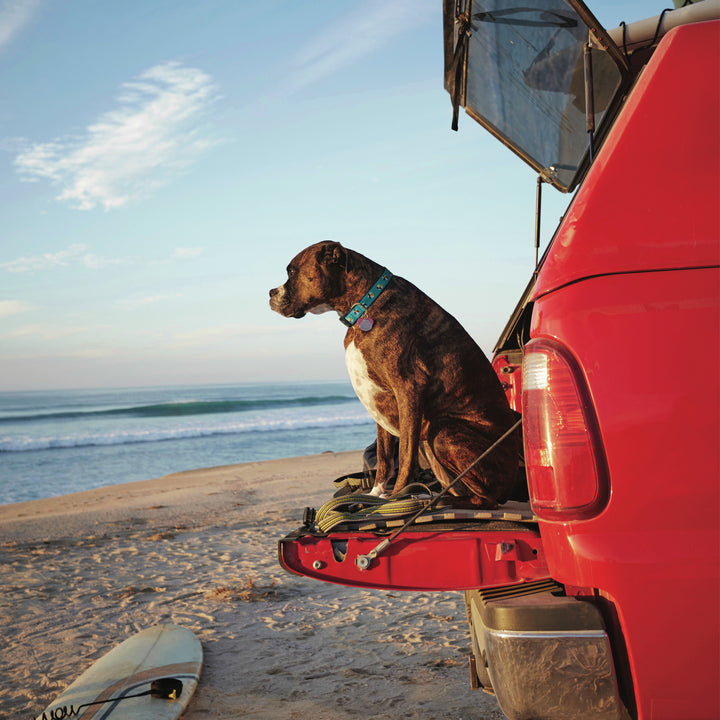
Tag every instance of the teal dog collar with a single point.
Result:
(360, 308)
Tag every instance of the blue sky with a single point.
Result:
(162, 161)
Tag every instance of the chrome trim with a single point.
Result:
(547, 635)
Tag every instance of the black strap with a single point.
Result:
(457, 66)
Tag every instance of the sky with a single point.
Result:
(161, 161)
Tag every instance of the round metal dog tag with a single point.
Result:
(365, 323)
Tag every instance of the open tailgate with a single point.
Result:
(447, 549)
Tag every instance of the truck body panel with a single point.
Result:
(650, 199)
(630, 286)
(653, 551)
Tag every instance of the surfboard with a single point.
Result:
(163, 661)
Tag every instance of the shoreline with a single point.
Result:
(82, 572)
(175, 497)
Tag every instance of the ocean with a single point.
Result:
(57, 442)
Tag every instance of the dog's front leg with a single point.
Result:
(385, 460)
(410, 421)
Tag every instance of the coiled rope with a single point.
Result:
(365, 507)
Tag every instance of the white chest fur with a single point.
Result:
(365, 388)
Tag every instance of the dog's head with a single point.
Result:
(315, 281)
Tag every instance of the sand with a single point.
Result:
(81, 573)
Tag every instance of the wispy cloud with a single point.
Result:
(44, 261)
(354, 35)
(183, 253)
(149, 300)
(132, 150)
(216, 335)
(98, 262)
(13, 307)
(14, 15)
(77, 254)
(44, 332)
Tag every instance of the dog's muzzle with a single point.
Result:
(280, 304)
(276, 299)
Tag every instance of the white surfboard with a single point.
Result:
(167, 658)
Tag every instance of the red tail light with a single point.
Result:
(564, 459)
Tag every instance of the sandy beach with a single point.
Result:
(82, 572)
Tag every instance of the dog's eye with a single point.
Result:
(290, 271)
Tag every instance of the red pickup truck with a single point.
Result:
(601, 598)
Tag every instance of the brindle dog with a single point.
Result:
(419, 374)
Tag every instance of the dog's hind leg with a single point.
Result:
(454, 446)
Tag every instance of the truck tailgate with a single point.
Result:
(443, 550)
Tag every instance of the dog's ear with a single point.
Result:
(334, 254)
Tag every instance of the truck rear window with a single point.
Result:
(524, 79)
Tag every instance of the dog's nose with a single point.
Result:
(273, 292)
